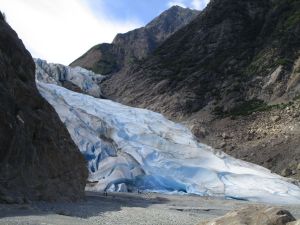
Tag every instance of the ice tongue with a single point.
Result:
(131, 149)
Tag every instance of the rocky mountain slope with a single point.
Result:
(38, 159)
(135, 45)
(233, 75)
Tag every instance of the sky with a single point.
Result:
(60, 31)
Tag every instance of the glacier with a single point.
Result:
(132, 149)
(77, 78)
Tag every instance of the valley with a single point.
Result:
(193, 118)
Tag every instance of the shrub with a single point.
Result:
(243, 109)
(284, 62)
(248, 107)
(293, 20)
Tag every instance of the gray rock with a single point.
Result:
(254, 215)
(275, 118)
(199, 131)
(222, 145)
(286, 172)
(225, 135)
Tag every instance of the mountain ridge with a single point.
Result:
(233, 67)
(134, 45)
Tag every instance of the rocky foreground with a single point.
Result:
(148, 209)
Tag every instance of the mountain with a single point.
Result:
(135, 45)
(38, 159)
(132, 149)
(232, 75)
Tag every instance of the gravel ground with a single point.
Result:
(124, 209)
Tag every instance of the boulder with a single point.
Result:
(254, 215)
(275, 118)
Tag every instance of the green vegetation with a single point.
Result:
(292, 20)
(104, 67)
(132, 60)
(219, 111)
(284, 62)
(261, 61)
(289, 12)
(244, 109)
(248, 107)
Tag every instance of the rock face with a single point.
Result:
(226, 71)
(38, 159)
(76, 79)
(254, 215)
(135, 45)
(222, 57)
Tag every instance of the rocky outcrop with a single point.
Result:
(254, 215)
(135, 45)
(76, 79)
(233, 66)
(38, 159)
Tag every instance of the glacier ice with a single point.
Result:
(130, 149)
(86, 81)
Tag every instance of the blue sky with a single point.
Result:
(142, 10)
(62, 30)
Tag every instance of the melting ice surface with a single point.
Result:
(78, 78)
(131, 149)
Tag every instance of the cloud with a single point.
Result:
(196, 4)
(179, 3)
(60, 31)
(193, 4)
(199, 4)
